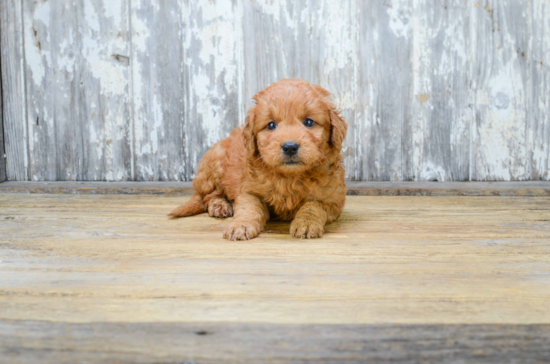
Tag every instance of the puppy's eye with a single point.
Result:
(309, 123)
(272, 125)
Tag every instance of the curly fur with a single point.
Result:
(249, 177)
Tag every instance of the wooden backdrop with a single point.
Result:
(139, 89)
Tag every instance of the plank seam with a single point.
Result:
(473, 98)
(23, 65)
(131, 92)
(530, 117)
(3, 172)
(355, 83)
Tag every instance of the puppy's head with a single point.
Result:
(293, 127)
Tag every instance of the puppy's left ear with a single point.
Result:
(338, 129)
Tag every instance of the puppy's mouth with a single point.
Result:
(291, 163)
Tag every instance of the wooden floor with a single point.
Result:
(95, 278)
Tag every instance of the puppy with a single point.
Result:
(284, 163)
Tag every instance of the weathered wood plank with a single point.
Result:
(2, 149)
(540, 128)
(98, 342)
(439, 132)
(214, 67)
(104, 78)
(159, 89)
(313, 40)
(449, 91)
(187, 83)
(529, 188)
(501, 83)
(403, 260)
(385, 89)
(13, 89)
(77, 90)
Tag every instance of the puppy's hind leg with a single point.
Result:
(219, 207)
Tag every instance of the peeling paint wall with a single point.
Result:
(120, 90)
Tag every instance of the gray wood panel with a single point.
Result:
(385, 90)
(437, 146)
(313, 40)
(540, 127)
(2, 160)
(354, 188)
(139, 90)
(13, 93)
(217, 342)
(213, 65)
(501, 83)
(159, 89)
(186, 83)
(77, 89)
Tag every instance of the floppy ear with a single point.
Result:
(338, 129)
(248, 134)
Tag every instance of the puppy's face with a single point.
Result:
(294, 127)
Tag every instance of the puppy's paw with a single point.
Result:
(303, 229)
(241, 231)
(220, 208)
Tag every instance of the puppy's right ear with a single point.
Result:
(248, 134)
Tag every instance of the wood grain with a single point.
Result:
(385, 90)
(111, 278)
(439, 133)
(97, 342)
(430, 260)
(354, 188)
(159, 90)
(136, 90)
(2, 149)
(214, 66)
(13, 89)
(79, 114)
(540, 128)
(501, 81)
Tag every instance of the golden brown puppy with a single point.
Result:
(284, 163)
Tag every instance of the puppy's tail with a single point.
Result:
(192, 207)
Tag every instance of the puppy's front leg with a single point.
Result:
(309, 222)
(251, 214)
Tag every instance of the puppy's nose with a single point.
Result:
(290, 148)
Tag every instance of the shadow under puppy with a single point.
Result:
(284, 163)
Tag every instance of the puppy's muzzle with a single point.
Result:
(290, 148)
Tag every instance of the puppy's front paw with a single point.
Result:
(306, 229)
(241, 231)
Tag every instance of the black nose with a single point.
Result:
(290, 148)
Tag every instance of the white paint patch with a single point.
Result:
(431, 172)
(340, 46)
(113, 9)
(140, 34)
(38, 59)
(501, 133)
(399, 14)
(91, 16)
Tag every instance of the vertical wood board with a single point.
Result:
(159, 89)
(13, 89)
(213, 66)
(77, 90)
(385, 89)
(540, 126)
(439, 130)
(501, 84)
